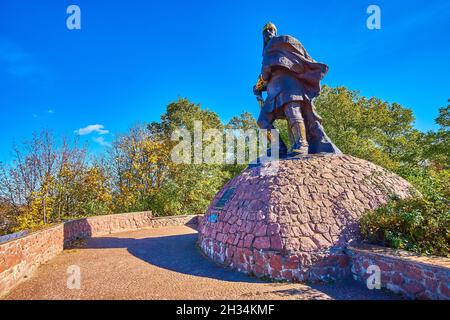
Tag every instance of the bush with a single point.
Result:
(417, 225)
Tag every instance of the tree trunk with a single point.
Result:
(44, 211)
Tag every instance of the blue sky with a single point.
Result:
(132, 57)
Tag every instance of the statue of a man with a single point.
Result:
(291, 79)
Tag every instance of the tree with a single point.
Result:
(48, 182)
(439, 142)
(138, 163)
(370, 128)
(187, 188)
(7, 219)
(244, 121)
(146, 178)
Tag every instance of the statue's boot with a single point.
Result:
(297, 130)
(299, 142)
(318, 140)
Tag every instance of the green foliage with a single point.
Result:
(417, 225)
(369, 128)
(438, 143)
(432, 183)
(188, 190)
(245, 121)
(283, 129)
(183, 114)
(421, 224)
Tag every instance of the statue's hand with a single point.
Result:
(260, 100)
(256, 91)
(260, 86)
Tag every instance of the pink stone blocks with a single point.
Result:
(404, 274)
(297, 224)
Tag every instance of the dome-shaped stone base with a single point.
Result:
(292, 219)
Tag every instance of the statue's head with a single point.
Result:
(269, 31)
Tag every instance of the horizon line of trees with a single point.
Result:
(48, 182)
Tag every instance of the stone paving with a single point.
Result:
(164, 263)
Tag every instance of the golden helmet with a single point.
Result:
(269, 25)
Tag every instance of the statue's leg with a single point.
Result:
(297, 129)
(318, 140)
(265, 122)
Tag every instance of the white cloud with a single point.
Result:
(98, 128)
(17, 62)
(50, 111)
(101, 141)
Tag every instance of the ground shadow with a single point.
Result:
(178, 253)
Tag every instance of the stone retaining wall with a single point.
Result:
(101, 225)
(20, 257)
(272, 264)
(403, 272)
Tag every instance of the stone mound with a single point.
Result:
(292, 219)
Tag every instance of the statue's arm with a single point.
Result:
(260, 86)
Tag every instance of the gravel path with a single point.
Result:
(163, 264)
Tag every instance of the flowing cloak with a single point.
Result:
(291, 74)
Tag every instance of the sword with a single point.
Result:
(260, 100)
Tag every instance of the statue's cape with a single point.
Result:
(288, 52)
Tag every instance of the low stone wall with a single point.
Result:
(402, 272)
(20, 257)
(272, 264)
(101, 225)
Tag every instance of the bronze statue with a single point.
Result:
(291, 79)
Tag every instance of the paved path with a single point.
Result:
(163, 264)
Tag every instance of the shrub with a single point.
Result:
(420, 225)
